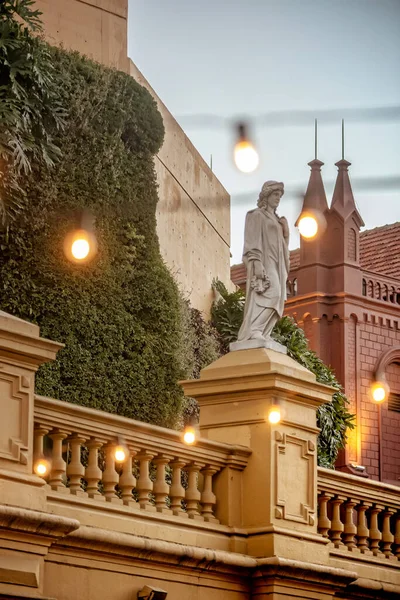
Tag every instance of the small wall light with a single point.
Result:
(41, 466)
(80, 244)
(274, 413)
(151, 593)
(121, 451)
(245, 155)
(379, 391)
(189, 435)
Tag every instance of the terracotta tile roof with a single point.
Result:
(294, 259)
(380, 250)
(379, 253)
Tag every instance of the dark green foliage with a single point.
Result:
(334, 419)
(30, 110)
(120, 315)
(227, 313)
(200, 347)
(201, 344)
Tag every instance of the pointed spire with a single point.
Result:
(343, 200)
(315, 197)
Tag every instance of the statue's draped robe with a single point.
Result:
(264, 241)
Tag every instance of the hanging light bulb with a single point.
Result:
(80, 244)
(308, 226)
(245, 154)
(379, 391)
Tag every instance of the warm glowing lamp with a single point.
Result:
(80, 247)
(189, 435)
(274, 414)
(120, 454)
(379, 391)
(80, 244)
(308, 226)
(245, 154)
(41, 467)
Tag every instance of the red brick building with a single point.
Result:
(344, 291)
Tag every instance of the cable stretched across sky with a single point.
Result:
(278, 118)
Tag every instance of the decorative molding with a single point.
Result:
(294, 502)
(14, 429)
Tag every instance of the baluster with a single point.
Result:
(387, 536)
(375, 535)
(192, 495)
(110, 475)
(397, 537)
(362, 528)
(39, 433)
(75, 468)
(127, 480)
(93, 472)
(336, 524)
(176, 490)
(324, 523)
(350, 529)
(58, 464)
(160, 486)
(144, 484)
(208, 499)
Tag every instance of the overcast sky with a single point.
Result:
(330, 58)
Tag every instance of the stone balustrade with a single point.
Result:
(160, 473)
(380, 288)
(359, 515)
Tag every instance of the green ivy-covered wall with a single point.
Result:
(120, 316)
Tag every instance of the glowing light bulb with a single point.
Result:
(246, 156)
(120, 454)
(80, 249)
(41, 467)
(308, 226)
(274, 415)
(189, 435)
(379, 391)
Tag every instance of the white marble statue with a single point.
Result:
(266, 257)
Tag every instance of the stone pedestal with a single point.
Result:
(275, 504)
(22, 351)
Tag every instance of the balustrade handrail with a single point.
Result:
(107, 427)
(358, 488)
(380, 278)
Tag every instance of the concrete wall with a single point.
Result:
(194, 210)
(193, 216)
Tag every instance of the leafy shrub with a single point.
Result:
(30, 111)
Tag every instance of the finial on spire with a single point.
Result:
(316, 137)
(342, 139)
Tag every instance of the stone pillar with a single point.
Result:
(22, 351)
(279, 486)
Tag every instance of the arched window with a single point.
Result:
(364, 287)
(352, 245)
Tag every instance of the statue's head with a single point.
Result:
(271, 193)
